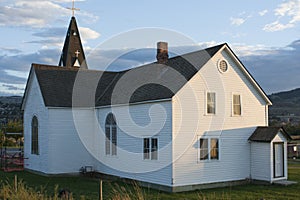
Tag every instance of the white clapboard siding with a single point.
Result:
(261, 161)
(68, 130)
(131, 130)
(34, 106)
(190, 122)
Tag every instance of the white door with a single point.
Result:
(278, 160)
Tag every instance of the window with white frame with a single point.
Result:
(110, 135)
(236, 104)
(35, 136)
(211, 103)
(150, 148)
(208, 149)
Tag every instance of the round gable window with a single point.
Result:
(223, 66)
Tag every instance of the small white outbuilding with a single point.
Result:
(269, 154)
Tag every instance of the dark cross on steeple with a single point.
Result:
(73, 8)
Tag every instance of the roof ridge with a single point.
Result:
(178, 56)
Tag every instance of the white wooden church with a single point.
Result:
(191, 121)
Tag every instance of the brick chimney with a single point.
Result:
(162, 55)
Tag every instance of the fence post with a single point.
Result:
(100, 191)
(16, 183)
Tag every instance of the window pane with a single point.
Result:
(34, 136)
(236, 104)
(154, 149)
(237, 110)
(203, 149)
(236, 99)
(211, 103)
(110, 135)
(114, 140)
(146, 148)
(214, 149)
(107, 140)
(203, 143)
(203, 154)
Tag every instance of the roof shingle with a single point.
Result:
(67, 87)
(267, 134)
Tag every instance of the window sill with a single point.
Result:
(208, 114)
(149, 160)
(112, 156)
(236, 115)
(208, 161)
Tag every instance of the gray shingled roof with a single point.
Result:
(97, 88)
(267, 134)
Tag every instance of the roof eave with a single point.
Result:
(24, 98)
(247, 73)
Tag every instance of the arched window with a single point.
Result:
(34, 136)
(111, 135)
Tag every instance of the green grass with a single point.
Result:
(87, 187)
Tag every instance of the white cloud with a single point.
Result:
(288, 14)
(54, 37)
(263, 12)
(286, 7)
(30, 13)
(237, 21)
(35, 13)
(87, 33)
(252, 50)
(204, 45)
(277, 26)
(11, 89)
(16, 73)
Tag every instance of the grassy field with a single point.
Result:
(87, 188)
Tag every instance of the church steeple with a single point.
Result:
(72, 54)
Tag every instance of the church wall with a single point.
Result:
(69, 132)
(191, 122)
(34, 106)
(134, 123)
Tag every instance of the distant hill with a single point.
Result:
(285, 103)
(10, 108)
(11, 99)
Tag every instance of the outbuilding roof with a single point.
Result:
(267, 134)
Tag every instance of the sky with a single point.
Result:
(265, 35)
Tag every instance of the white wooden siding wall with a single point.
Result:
(279, 138)
(261, 161)
(129, 161)
(190, 121)
(67, 142)
(34, 106)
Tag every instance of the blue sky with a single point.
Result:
(264, 34)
